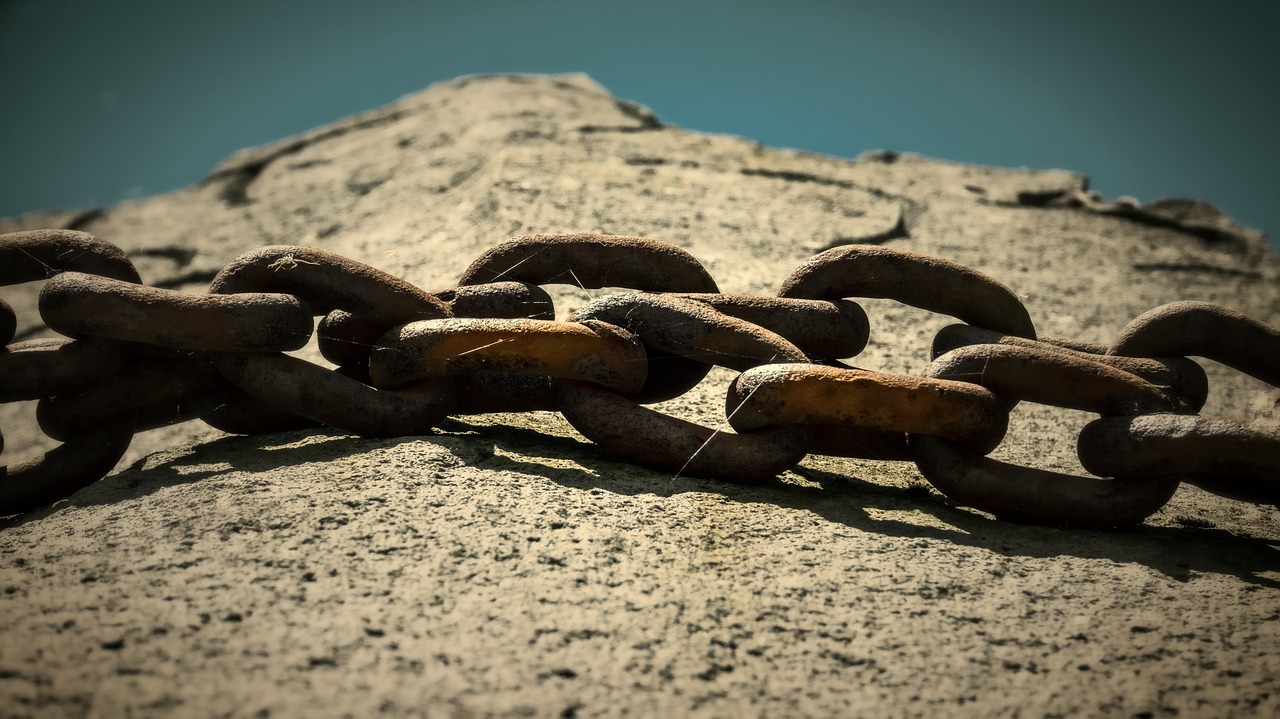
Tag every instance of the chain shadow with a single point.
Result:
(1176, 552)
(838, 498)
(248, 453)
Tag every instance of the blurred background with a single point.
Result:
(103, 101)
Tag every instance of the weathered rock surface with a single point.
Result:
(505, 566)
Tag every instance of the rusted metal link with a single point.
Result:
(1181, 378)
(683, 338)
(823, 330)
(508, 300)
(8, 323)
(328, 281)
(591, 261)
(311, 391)
(77, 463)
(1204, 330)
(43, 367)
(804, 394)
(590, 351)
(347, 339)
(1032, 495)
(659, 441)
(161, 391)
(1224, 457)
(1053, 377)
(41, 254)
(1036, 496)
(692, 330)
(922, 281)
(80, 305)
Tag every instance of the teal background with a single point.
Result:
(101, 101)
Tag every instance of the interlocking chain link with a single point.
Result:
(140, 357)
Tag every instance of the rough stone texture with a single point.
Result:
(504, 566)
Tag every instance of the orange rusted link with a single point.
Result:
(1051, 376)
(44, 367)
(656, 440)
(77, 463)
(346, 339)
(823, 330)
(78, 305)
(691, 329)
(930, 283)
(1204, 330)
(499, 299)
(41, 254)
(785, 394)
(1182, 379)
(328, 281)
(242, 413)
(589, 351)
(158, 385)
(314, 392)
(1224, 457)
(591, 261)
(8, 323)
(1037, 496)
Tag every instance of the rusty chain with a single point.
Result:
(138, 357)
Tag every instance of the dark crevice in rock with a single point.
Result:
(911, 209)
(309, 164)
(1211, 235)
(235, 191)
(639, 112)
(646, 161)
(457, 179)
(238, 178)
(618, 128)
(1196, 267)
(82, 219)
(794, 176)
(1042, 198)
(897, 232)
(1194, 217)
(886, 157)
(363, 188)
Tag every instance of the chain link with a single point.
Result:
(141, 357)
